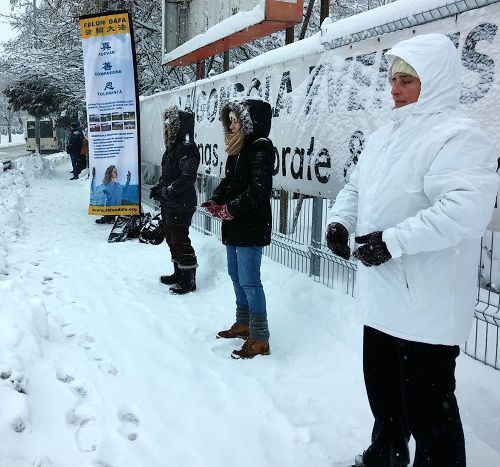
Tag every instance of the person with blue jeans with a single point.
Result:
(242, 202)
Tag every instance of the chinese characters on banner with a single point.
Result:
(112, 113)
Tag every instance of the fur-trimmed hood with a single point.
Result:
(181, 123)
(253, 114)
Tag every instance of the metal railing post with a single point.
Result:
(316, 235)
(208, 189)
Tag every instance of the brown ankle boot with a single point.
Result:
(251, 349)
(236, 330)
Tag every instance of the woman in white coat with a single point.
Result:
(419, 200)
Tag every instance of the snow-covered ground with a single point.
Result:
(16, 141)
(100, 366)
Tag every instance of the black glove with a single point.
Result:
(155, 192)
(373, 250)
(337, 240)
(166, 192)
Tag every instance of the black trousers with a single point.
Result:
(411, 390)
(176, 227)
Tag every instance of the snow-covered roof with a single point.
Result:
(235, 23)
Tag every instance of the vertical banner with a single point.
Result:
(112, 113)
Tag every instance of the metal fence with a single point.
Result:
(484, 343)
(298, 242)
(297, 235)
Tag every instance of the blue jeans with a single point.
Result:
(75, 163)
(243, 266)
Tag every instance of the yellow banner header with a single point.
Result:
(104, 25)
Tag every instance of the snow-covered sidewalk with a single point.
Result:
(100, 366)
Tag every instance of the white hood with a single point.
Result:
(436, 60)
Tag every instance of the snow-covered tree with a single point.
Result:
(37, 96)
(49, 43)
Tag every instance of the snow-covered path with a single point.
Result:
(111, 370)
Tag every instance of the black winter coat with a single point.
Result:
(246, 188)
(179, 167)
(74, 143)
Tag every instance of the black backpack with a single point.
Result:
(152, 230)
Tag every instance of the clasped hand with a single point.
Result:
(373, 250)
(217, 210)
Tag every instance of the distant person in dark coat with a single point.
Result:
(177, 196)
(73, 148)
(84, 151)
(242, 201)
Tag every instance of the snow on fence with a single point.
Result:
(327, 93)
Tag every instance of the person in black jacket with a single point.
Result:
(242, 201)
(73, 148)
(177, 196)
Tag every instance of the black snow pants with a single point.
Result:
(176, 228)
(411, 390)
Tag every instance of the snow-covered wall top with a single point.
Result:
(394, 16)
(327, 101)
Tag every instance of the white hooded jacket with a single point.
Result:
(428, 181)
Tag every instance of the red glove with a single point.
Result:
(222, 213)
(211, 206)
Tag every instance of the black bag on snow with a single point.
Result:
(152, 230)
(136, 223)
(120, 229)
(127, 227)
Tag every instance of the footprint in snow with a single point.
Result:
(18, 381)
(101, 464)
(129, 423)
(108, 369)
(86, 341)
(81, 392)
(18, 425)
(44, 462)
(65, 377)
(88, 435)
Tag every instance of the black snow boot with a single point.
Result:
(187, 282)
(105, 219)
(173, 278)
(383, 455)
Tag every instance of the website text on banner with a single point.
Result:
(112, 114)
(326, 104)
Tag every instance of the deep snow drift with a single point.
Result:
(100, 366)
